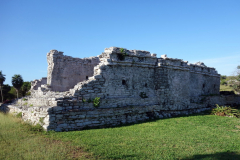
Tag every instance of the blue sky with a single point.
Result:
(192, 30)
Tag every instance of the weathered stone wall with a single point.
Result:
(37, 83)
(74, 116)
(133, 85)
(64, 71)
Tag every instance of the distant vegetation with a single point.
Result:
(18, 90)
(231, 83)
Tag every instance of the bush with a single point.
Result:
(223, 82)
(96, 102)
(225, 111)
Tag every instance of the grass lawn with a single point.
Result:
(190, 137)
(225, 88)
(18, 141)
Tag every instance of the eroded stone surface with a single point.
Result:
(133, 85)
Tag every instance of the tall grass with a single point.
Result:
(20, 141)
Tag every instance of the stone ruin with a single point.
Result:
(119, 86)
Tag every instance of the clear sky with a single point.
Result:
(192, 30)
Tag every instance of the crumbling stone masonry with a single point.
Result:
(133, 85)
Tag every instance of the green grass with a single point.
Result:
(21, 141)
(193, 137)
(190, 137)
(225, 88)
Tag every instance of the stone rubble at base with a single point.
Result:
(133, 85)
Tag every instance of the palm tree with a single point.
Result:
(17, 82)
(2, 79)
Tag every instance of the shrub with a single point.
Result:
(121, 56)
(225, 111)
(223, 82)
(96, 102)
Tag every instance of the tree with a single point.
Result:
(223, 77)
(17, 82)
(25, 87)
(235, 82)
(5, 89)
(2, 79)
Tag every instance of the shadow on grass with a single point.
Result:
(217, 156)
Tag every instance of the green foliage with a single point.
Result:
(12, 93)
(19, 115)
(96, 102)
(25, 87)
(28, 93)
(17, 82)
(223, 82)
(83, 100)
(36, 128)
(30, 105)
(122, 55)
(25, 104)
(225, 111)
(5, 89)
(223, 77)
(143, 95)
(2, 78)
(235, 81)
(122, 50)
(24, 99)
(41, 120)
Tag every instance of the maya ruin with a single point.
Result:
(118, 86)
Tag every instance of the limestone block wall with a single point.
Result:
(37, 83)
(133, 85)
(72, 116)
(174, 86)
(64, 72)
(135, 77)
(121, 82)
(179, 84)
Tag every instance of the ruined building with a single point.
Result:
(118, 86)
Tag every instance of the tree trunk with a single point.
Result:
(17, 94)
(1, 93)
